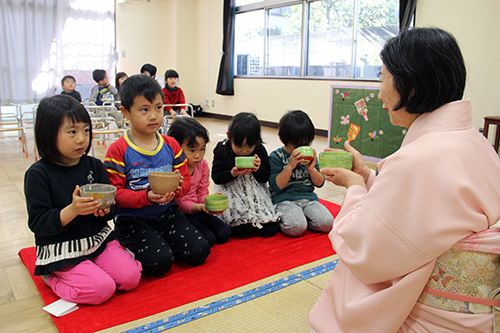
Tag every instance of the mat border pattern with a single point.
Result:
(234, 300)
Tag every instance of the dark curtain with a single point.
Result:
(406, 13)
(226, 70)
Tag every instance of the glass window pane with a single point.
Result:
(249, 43)
(284, 41)
(378, 21)
(330, 38)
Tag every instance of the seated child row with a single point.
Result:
(83, 260)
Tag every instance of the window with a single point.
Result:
(313, 38)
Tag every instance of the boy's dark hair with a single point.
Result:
(171, 73)
(51, 113)
(296, 128)
(427, 68)
(187, 128)
(139, 85)
(244, 125)
(67, 77)
(98, 75)
(151, 69)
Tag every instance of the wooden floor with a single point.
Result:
(21, 304)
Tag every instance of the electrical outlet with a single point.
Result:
(206, 102)
(213, 103)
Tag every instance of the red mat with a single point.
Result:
(229, 266)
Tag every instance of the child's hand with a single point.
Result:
(312, 166)
(159, 198)
(172, 113)
(235, 172)
(256, 162)
(295, 158)
(199, 208)
(183, 112)
(103, 212)
(181, 182)
(83, 205)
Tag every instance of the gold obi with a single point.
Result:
(466, 282)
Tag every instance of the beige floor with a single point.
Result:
(20, 303)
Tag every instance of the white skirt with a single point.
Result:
(248, 202)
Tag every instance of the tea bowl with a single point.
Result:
(104, 193)
(307, 153)
(244, 162)
(216, 203)
(162, 182)
(335, 159)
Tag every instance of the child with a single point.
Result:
(173, 94)
(77, 253)
(103, 91)
(120, 77)
(292, 183)
(149, 224)
(250, 208)
(68, 83)
(193, 138)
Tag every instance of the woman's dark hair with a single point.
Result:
(119, 75)
(139, 85)
(428, 68)
(50, 116)
(296, 128)
(244, 125)
(187, 129)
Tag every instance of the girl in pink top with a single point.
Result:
(193, 139)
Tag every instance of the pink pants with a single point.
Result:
(95, 281)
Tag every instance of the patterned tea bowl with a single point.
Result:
(307, 153)
(104, 193)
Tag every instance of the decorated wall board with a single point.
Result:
(357, 116)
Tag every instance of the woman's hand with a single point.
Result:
(358, 164)
(343, 177)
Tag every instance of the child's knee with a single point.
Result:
(129, 277)
(293, 226)
(104, 289)
(159, 265)
(196, 253)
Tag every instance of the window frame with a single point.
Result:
(267, 5)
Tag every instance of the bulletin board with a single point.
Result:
(357, 116)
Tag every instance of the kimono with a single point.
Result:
(441, 186)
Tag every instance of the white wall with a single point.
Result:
(187, 35)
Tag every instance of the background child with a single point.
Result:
(103, 91)
(173, 93)
(250, 210)
(193, 138)
(120, 77)
(68, 83)
(77, 253)
(292, 183)
(149, 224)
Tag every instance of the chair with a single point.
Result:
(10, 121)
(168, 117)
(28, 115)
(105, 129)
(492, 120)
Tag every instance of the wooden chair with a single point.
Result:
(492, 120)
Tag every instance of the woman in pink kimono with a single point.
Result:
(440, 190)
